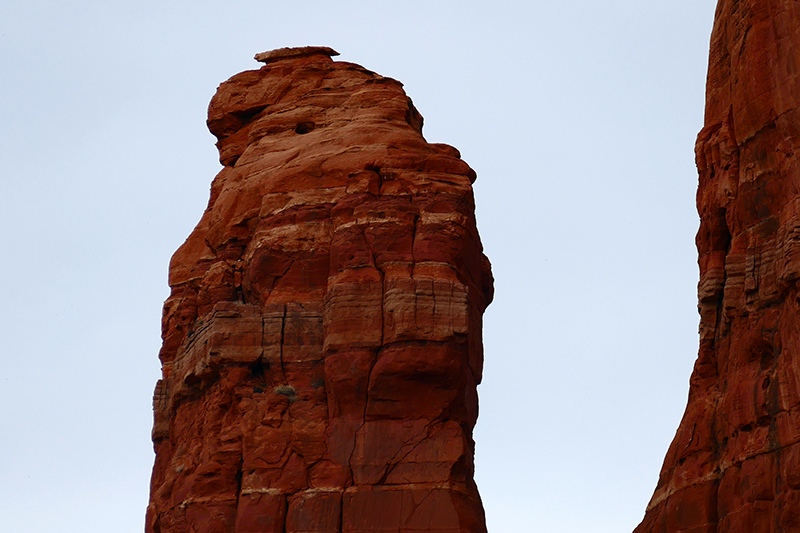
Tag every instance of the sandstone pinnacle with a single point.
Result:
(322, 338)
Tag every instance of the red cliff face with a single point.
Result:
(322, 341)
(734, 465)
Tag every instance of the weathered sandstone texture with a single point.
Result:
(734, 465)
(322, 340)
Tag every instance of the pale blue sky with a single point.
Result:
(579, 117)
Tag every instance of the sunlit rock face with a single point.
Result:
(322, 340)
(734, 465)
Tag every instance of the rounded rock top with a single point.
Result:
(292, 53)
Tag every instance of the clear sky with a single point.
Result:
(579, 117)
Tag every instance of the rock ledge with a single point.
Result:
(290, 53)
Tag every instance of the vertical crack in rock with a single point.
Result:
(733, 464)
(282, 344)
(322, 338)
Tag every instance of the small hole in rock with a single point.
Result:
(304, 127)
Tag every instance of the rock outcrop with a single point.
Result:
(734, 465)
(322, 340)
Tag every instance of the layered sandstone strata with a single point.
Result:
(734, 465)
(322, 340)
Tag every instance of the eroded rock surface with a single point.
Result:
(734, 465)
(322, 340)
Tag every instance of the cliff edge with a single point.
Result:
(734, 465)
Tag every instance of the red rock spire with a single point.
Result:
(734, 465)
(322, 340)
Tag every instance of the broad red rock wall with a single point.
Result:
(734, 465)
(322, 340)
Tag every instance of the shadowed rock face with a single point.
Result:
(734, 465)
(322, 340)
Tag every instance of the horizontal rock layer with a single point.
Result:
(322, 339)
(734, 465)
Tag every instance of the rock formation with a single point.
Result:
(322, 340)
(734, 465)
